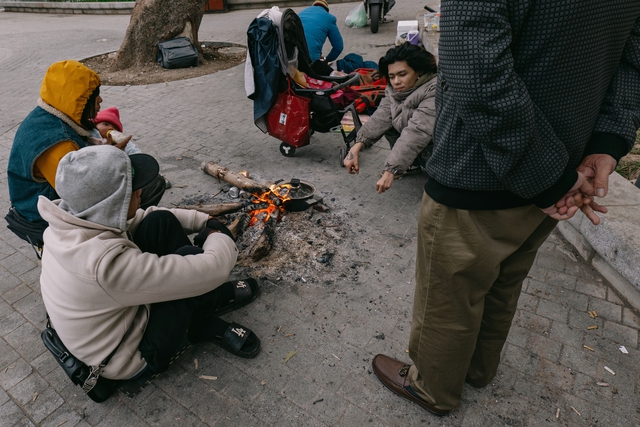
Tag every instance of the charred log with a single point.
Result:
(238, 225)
(264, 244)
(232, 178)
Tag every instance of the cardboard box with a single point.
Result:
(406, 26)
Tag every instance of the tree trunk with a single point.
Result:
(153, 21)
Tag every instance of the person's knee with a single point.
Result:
(160, 218)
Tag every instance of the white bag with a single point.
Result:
(357, 18)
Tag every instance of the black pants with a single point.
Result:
(152, 192)
(172, 324)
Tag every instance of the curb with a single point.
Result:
(613, 247)
(93, 8)
(124, 8)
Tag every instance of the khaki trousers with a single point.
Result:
(469, 272)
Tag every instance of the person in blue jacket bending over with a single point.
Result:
(319, 25)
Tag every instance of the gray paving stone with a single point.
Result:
(608, 310)
(552, 310)
(630, 318)
(16, 293)
(64, 415)
(579, 359)
(11, 414)
(566, 334)
(35, 397)
(544, 347)
(621, 334)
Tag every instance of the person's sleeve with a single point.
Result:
(377, 125)
(619, 119)
(191, 220)
(414, 137)
(47, 163)
(132, 277)
(477, 70)
(337, 45)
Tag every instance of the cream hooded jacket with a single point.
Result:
(97, 285)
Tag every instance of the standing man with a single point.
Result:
(535, 108)
(319, 25)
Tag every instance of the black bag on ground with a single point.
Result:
(26, 230)
(177, 53)
(88, 377)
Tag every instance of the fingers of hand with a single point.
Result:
(589, 213)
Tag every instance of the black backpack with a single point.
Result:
(177, 53)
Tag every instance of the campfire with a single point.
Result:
(260, 208)
(300, 242)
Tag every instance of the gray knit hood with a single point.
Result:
(95, 184)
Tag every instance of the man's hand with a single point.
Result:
(579, 197)
(597, 167)
(385, 182)
(351, 161)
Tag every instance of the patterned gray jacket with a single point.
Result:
(527, 89)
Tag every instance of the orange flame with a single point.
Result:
(275, 192)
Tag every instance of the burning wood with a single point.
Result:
(238, 225)
(265, 242)
(232, 178)
(216, 209)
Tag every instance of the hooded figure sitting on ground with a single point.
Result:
(119, 278)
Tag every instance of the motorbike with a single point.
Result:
(376, 10)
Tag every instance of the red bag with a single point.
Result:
(288, 118)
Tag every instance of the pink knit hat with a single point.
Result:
(322, 3)
(109, 115)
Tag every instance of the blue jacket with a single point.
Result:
(318, 25)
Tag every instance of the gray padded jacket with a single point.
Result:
(412, 113)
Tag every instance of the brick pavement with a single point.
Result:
(328, 382)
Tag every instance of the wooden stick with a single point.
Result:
(216, 209)
(232, 178)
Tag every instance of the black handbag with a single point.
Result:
(177, 53)
(26, 230)
(88, 377)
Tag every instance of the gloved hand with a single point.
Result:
(215, 224)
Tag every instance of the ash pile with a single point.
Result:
(284, 230)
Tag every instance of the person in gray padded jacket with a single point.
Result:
(406, 114)
(119, 278)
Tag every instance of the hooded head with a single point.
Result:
(110, 115)
(96, 182)
(67, 86)
(322, 3)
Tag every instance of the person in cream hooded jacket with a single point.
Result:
(98, 287)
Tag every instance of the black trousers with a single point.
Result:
(152, 192)
(172, 324)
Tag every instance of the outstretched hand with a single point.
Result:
(385, 182)
(351, 163)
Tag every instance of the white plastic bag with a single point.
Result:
(357, 18)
